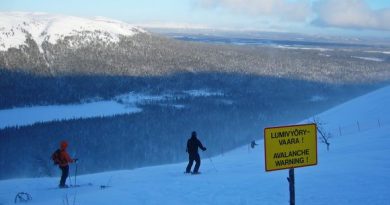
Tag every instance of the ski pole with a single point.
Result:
(108, 183)
(212, 162)
(75, 174)
(70, 180)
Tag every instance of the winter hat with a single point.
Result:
(64, 144)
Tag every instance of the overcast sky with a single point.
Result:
(346, 17)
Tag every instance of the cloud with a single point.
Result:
(354, 14)
(347, 14)
(286, 10)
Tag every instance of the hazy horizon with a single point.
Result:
(360, 18)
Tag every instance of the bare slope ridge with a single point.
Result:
(16, 27)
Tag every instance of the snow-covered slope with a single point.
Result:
(354, 171)
(15, 27)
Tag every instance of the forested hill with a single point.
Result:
(55, 45)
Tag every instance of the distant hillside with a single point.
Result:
(62, 45)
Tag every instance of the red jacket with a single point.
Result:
(64, 158)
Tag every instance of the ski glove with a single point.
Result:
(204, 149)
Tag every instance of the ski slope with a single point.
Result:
(354, 171)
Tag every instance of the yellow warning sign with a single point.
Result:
(290, 146)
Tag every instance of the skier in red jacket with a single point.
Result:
(62, 158)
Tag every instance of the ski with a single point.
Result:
(192, 173)
(73, 186)
(80, 185)
(195, 173)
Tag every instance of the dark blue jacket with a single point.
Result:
(192, 145)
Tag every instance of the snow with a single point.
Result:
(354, 171)
(15, 26)
(304, 48)
(203, 93)
(122, 104)
(371, 106)
(369, 58)
(382, 52)
(30, 115)
(134, 98)
(317, 98)
(325, 55)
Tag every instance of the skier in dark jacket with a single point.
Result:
(253, 144)
(192, 148)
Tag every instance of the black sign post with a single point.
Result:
(291, 181)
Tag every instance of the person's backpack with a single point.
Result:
(56, 157)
